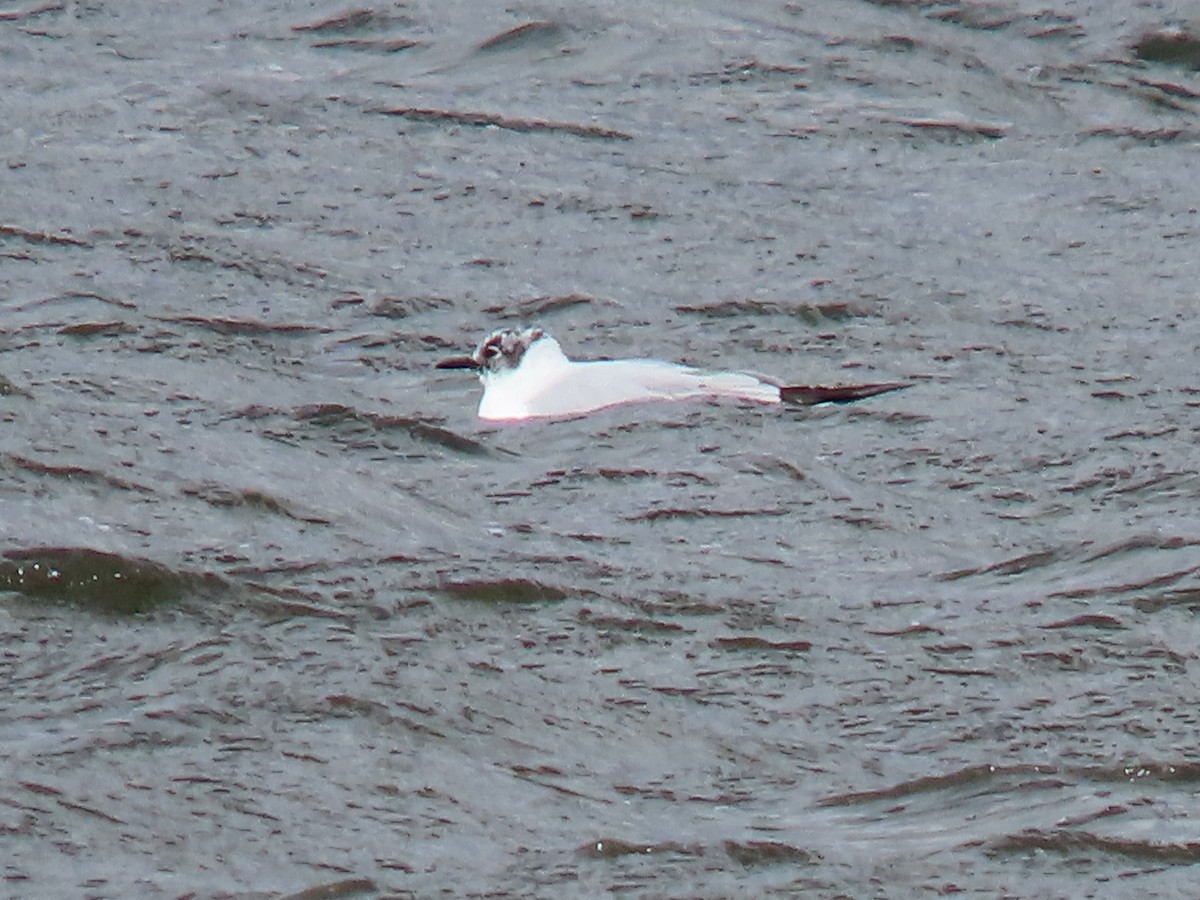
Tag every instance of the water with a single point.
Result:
(282, 615)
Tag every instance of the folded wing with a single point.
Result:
(590, 386)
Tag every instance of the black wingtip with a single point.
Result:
(811, 395)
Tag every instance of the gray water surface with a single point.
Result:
(281, 615)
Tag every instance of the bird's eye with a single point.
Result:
(491, 349)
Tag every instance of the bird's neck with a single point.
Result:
(507, 392)
(541, 360)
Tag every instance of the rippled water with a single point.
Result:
(281, 615)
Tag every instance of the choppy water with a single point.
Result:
(281, 615)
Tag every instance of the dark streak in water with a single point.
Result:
(1177, 48)
(434, 434)
(222, 497)
(654, 515)
(374, 45)
(1188, 598)
(812, 313)
(767, 853)
(401, 307)
(350, 20)
(907, 630)
(535, 308)
(295, 602)
(93, 329)
(637, 624)
(335, 890)
(97, 580)
(751, 642)
(1016, 566)
(329, 415)
(971, 775)
(247, 327)
(522, 35)
(1041, 777)
(539, 775)
(34, 236)
(1076, 842)
(614, 848)
(76, 473)
(504, 591)
(495, 120)
(1089, 620)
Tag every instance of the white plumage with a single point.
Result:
(526, 375)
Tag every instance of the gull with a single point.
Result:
(526, 375)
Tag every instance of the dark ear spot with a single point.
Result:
(492, 348)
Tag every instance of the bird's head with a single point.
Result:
(501, 351)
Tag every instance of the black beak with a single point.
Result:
(458, 362)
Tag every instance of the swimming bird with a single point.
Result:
(526, 375)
